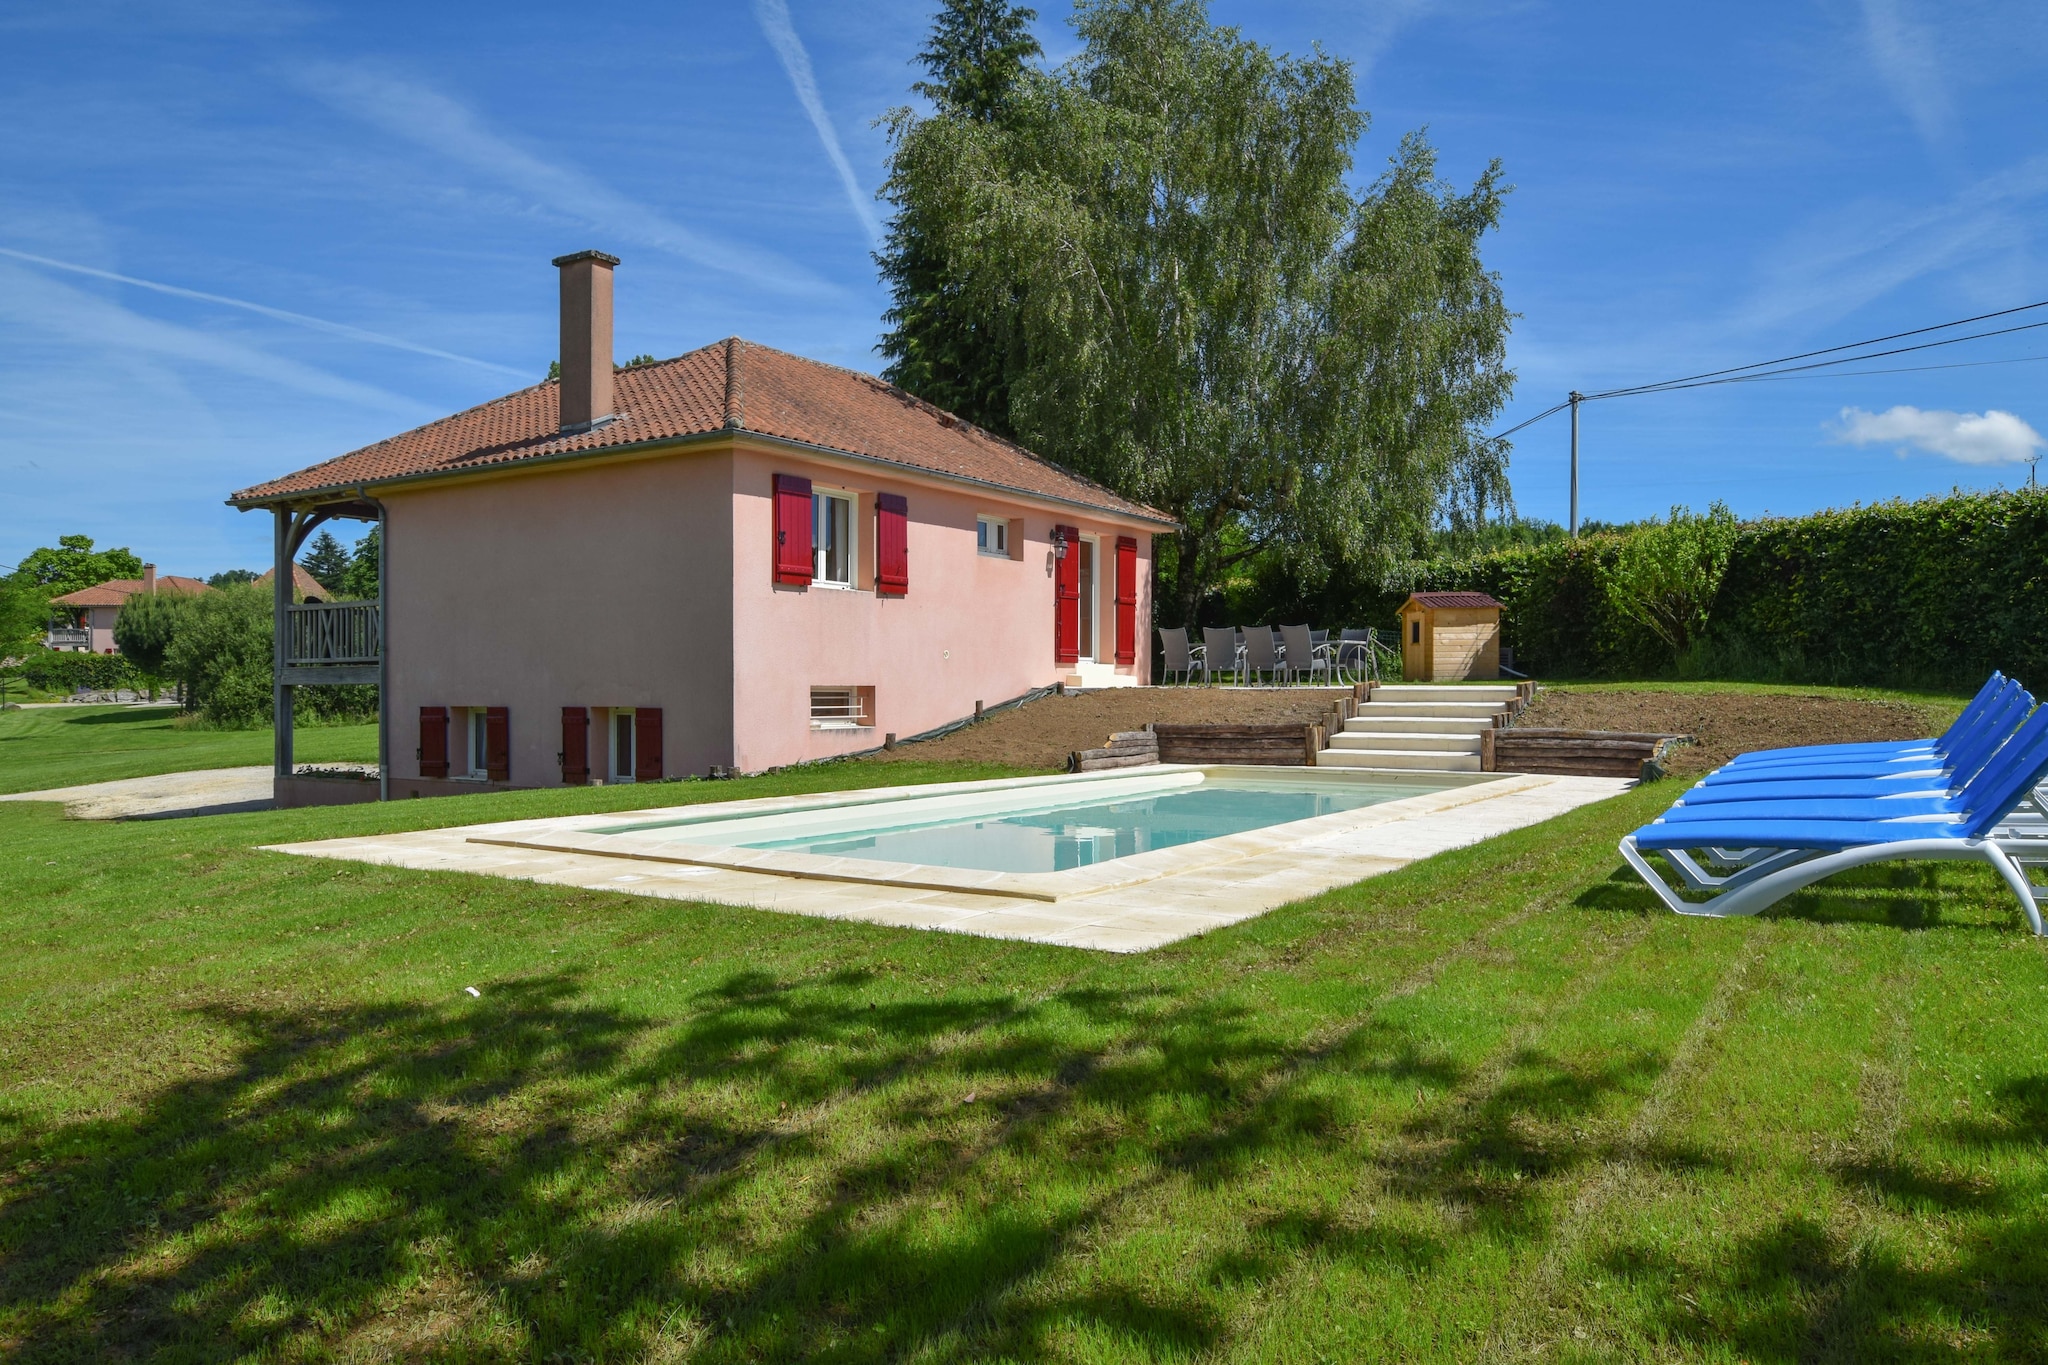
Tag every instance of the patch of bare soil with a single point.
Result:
(1724, 724)
(1042, 733)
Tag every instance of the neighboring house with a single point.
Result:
(98, 607)
(737, 558)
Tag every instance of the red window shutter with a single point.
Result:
(1126, 600)
(576, 745)
(433, 750)
(792, 529)
(647, 744)
(498, 744)
(1066, 598)
(892, 545)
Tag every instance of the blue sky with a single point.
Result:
(238, 238)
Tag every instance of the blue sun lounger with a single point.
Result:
(1940, 745)
(1783, 844)
(1945, 762)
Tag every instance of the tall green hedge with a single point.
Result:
(1931, 593)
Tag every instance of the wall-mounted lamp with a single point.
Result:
(1059, 543)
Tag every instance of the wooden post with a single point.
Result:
(1488, 763)
(280, 638)
(1311, 743)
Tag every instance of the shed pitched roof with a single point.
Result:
(731, 385)
(115, 591)
(1435, 600)
(304, 585)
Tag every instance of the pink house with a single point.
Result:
(734, 559)
(98, 607)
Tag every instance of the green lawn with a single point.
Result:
(1495, 1105)
(66, 746)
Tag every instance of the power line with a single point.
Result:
(1783, 369)
(1761, 369)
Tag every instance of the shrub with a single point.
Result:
(68, 671)
(146, 626)
(222, 653)
(1666, 574)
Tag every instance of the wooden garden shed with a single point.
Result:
(1450, 637)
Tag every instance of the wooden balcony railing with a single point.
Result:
(332, 633)
(70, 637)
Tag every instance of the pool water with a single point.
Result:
(1056, 838)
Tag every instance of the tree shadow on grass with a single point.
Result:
(1903, 895)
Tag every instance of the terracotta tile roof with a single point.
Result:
(304, 585)
(115, 591)
(1452, 599)
(731, 385)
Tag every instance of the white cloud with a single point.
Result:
(773, 16)
(1904, 53)
(100, 326)
(1991, 437)
(434, 121)
(340, 329)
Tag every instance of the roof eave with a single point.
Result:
(361, 487)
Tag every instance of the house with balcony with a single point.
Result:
(736, 559)
(94, 610)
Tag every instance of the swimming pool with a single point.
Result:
(1048, 830)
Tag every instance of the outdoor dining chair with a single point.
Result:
(1219, 653)
(1303, 658)
(1354, 655)
(1177, 655)
(1261, 653)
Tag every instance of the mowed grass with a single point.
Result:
(1494, 1106)
(68, 746)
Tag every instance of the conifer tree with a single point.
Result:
(942, 345)
(327, 561)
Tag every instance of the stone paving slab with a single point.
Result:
(1332, 851)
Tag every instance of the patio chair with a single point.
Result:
(1354, 655)
(1261, 653)
(1303, 658)
(1177, 655)
(1794, 842)
(1219, 653)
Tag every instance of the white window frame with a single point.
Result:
(858, 717)
(613, 773)
(476, 743)
(1091, 593)
(820, 496)
(992, 536)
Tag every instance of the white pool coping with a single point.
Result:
(1129, 904)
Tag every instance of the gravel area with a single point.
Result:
(1724, 724)
(1042, 733)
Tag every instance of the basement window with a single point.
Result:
(842, 708)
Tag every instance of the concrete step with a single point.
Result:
(1505, 692)
(1397, 725)
(1398, 758)
(1432, 743)
(1485, 710)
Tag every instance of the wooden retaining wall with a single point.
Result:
(1285, 745)
(1574, 753)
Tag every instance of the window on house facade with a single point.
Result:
(842, 708)
(992, 536)
(622, 745)
(479, 742)
(832, 539)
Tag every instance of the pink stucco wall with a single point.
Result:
(973, 627)
(603, 586)
(649, 583)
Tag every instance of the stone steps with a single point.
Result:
(1423, 743)
(1411, 759)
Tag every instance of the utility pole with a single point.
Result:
(1575, 463)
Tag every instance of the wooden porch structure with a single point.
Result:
(326, 642)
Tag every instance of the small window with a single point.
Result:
(992, 536)
(622, 744)
(1415, 631)
(479, 742)
(842, 708)
(832, 539)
